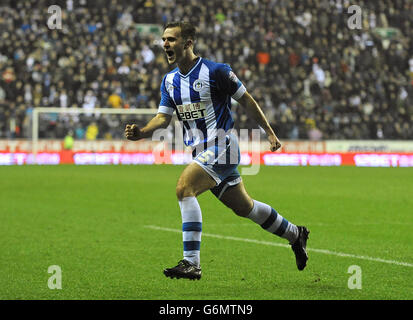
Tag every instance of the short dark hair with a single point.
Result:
(188, 31)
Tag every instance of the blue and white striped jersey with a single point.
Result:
(201, 99)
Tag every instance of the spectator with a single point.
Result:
(92, 131)
(115, 101)
(68, 141)
(89, 102)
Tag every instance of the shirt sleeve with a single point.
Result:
(229, 83)
(166, 105)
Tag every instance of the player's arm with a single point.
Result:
(255, 112)
(161, 120)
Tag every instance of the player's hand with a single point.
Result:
(275, 143)
(132, 132)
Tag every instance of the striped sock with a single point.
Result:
(191, 229)
(273, 222)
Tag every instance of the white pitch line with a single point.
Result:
(275, 244)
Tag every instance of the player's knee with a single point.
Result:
(183, 191)
(242, 211)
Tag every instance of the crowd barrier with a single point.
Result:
(293, 153)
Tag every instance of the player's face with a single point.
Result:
(173, 44)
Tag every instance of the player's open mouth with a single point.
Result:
(170, 54)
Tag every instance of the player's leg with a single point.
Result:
(237, 199)
(192, 182)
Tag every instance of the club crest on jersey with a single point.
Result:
(197, 86)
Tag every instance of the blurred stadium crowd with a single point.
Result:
(314, 77)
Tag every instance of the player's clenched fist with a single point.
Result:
(132, 132)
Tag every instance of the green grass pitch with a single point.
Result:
(113, 229)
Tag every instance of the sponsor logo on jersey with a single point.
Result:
(192, 111)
